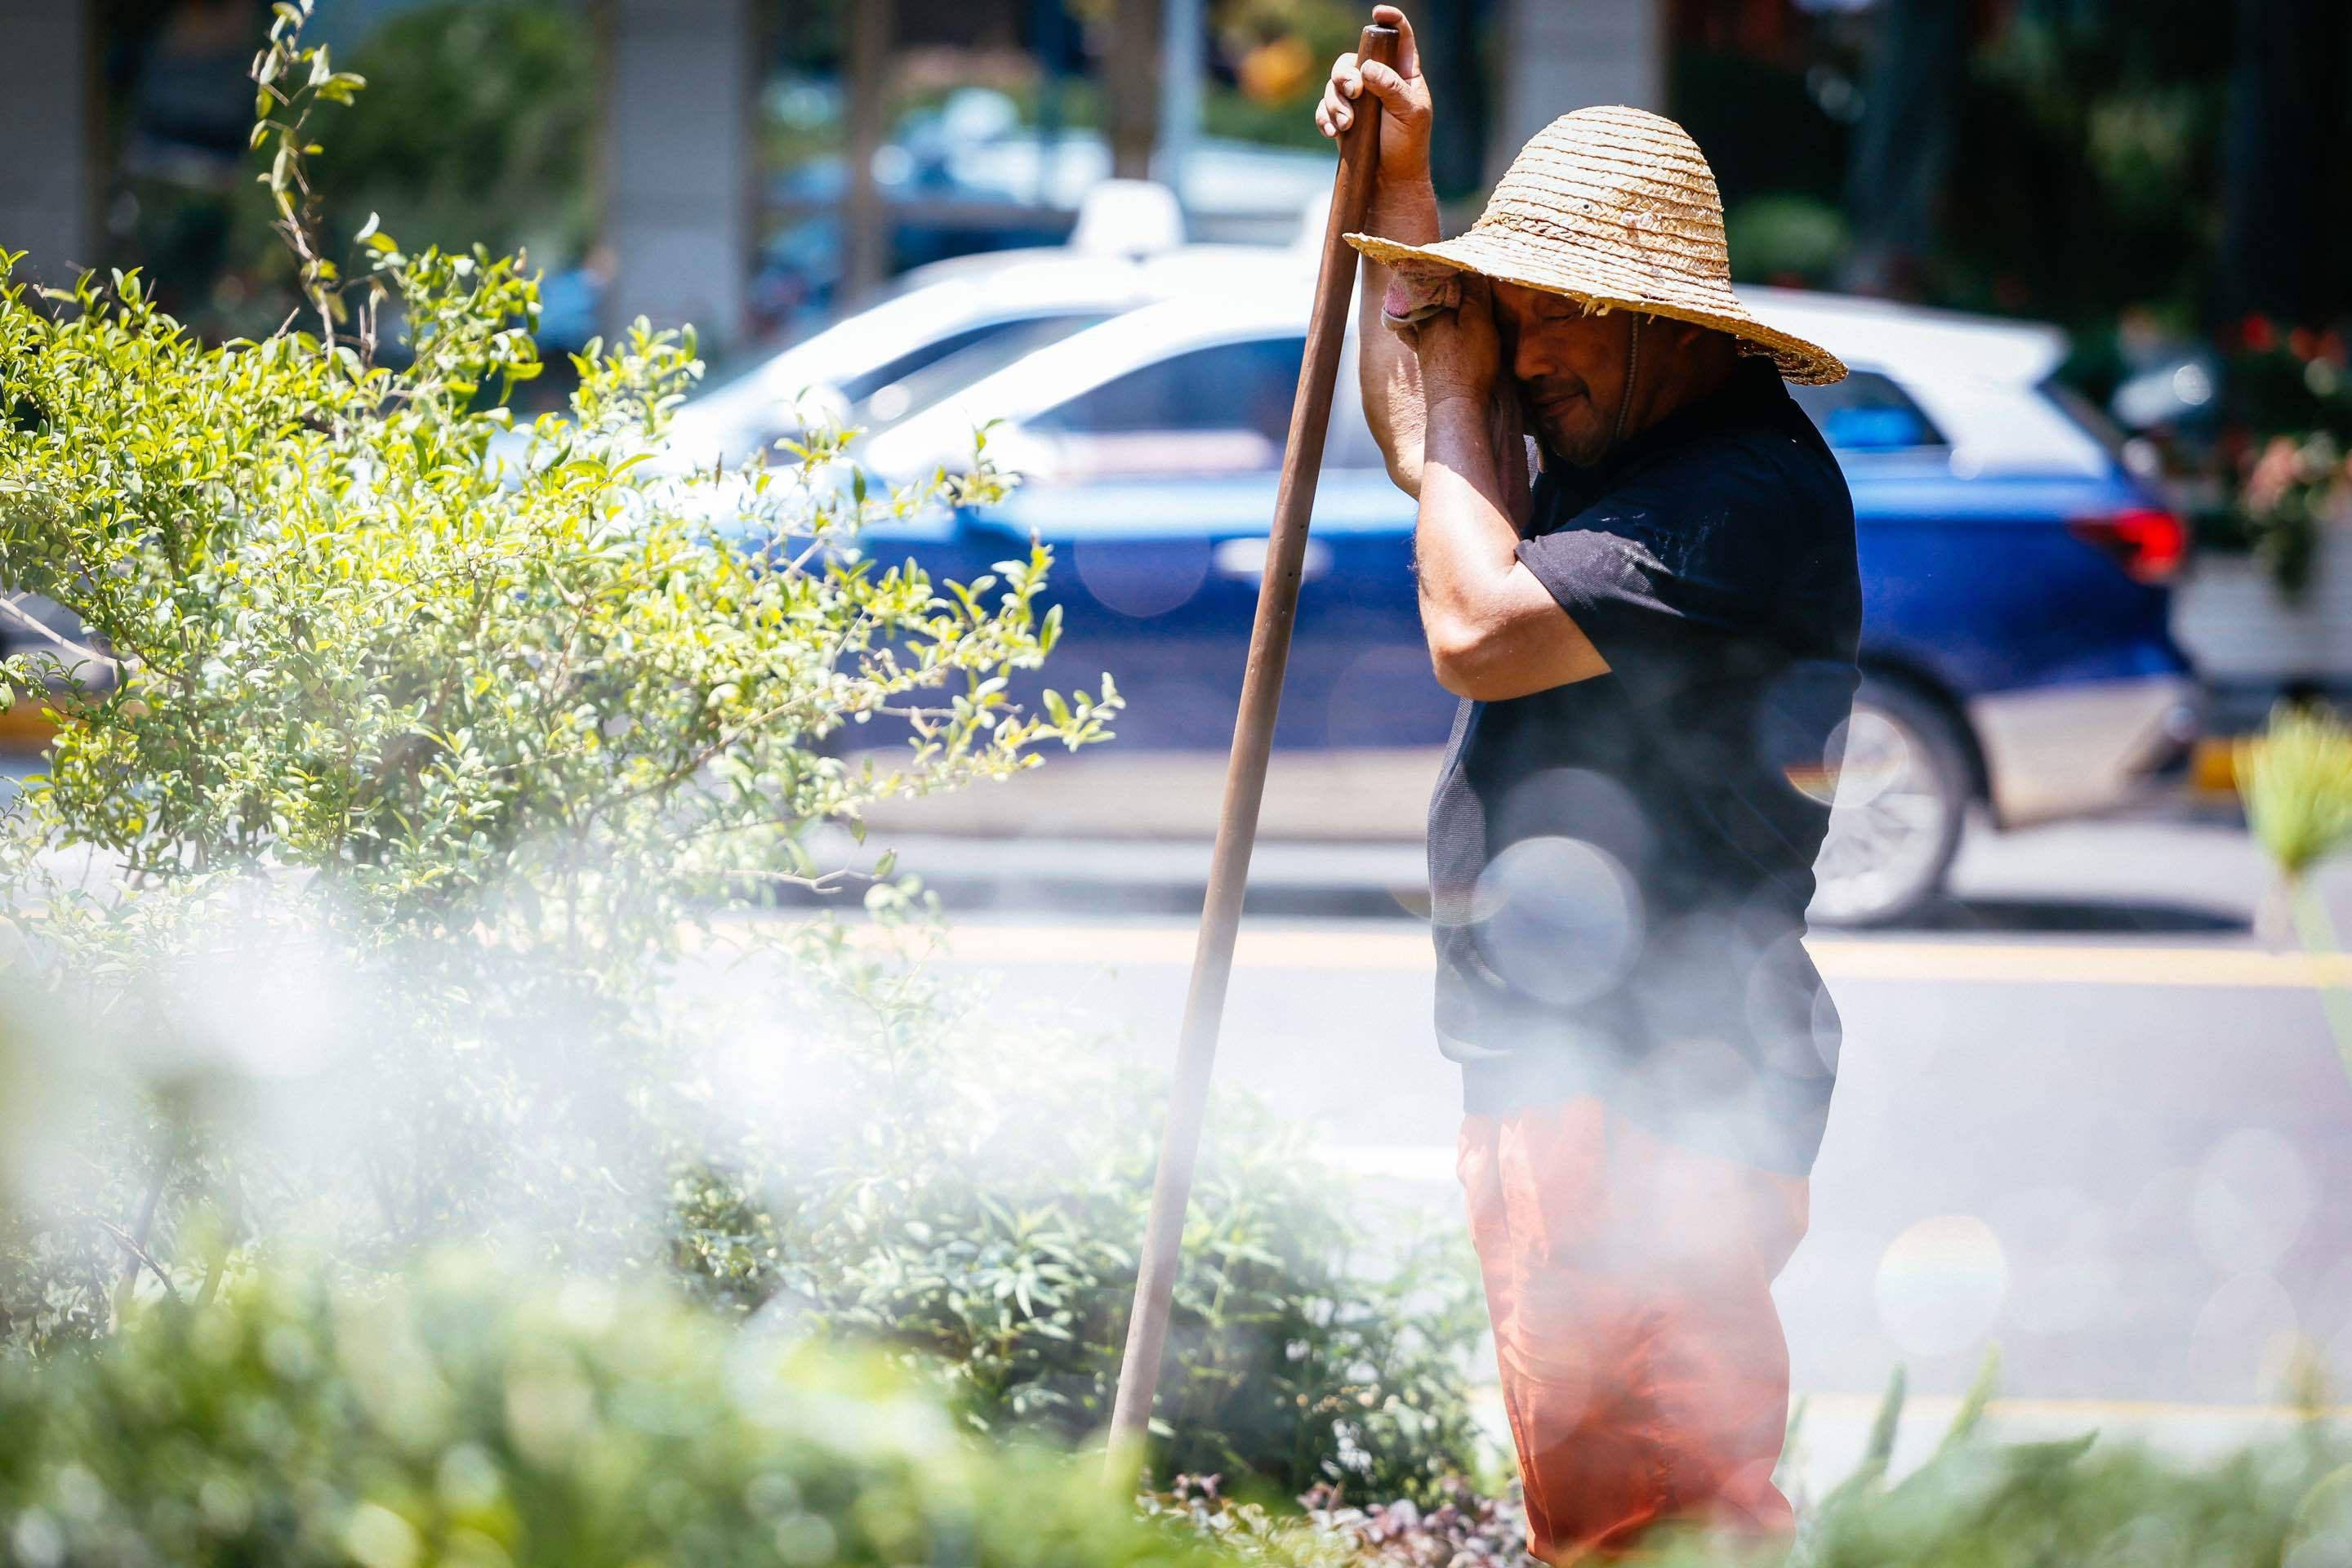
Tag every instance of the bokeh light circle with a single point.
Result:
(1942, 1284)
(1560, 919)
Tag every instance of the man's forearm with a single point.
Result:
(1386, 368)
(1495, 631)
(1464, 543)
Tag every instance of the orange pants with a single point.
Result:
(1629, 1280)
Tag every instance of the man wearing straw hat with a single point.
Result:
(1654, 641)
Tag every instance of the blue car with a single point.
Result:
(2017, 662)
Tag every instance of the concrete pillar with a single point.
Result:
(1183, 74)
(865, 219)
(680, 163)
(49, 177)
(1557, 56)
(1130, 85)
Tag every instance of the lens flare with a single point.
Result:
(2251, 1200)
(1566, 920)
(1942, 1284)
(1142, 578)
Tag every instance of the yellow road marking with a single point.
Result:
(1388, 950)
(2060, 964)
(1938, 1409)
(1832, 1415)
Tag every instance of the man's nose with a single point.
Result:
(1531, 361)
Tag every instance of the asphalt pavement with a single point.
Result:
(2090, 1111)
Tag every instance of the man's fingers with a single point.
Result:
(1345, 76)
(1408, 52)
(1334, 113)
(1390, 89)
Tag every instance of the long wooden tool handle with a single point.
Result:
(1277, 607)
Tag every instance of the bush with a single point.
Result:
(2296, 780)
(979, 1207)
(458, 728)
(472, 748)
(2295, 491)
(479, 126)
(460, 1418)
(1974, 1504)
(456, 1416)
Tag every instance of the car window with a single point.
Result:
(2090, 420)
(857, 388)
(1002, 344)
(863, 385)
(1246, 386)
(1867, 412)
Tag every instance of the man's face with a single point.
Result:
(1570, 368)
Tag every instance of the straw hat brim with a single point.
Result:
(1604, 284)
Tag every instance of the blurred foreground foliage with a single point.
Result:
(463, 1418)
(399, 877)
(980, 1210)
(1973, 1502)
(464, 1414)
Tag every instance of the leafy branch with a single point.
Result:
(291, 82)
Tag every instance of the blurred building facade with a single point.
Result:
(676, 158)
(2058, 157)
(50, 181)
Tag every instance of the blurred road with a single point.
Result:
(2087, 1115)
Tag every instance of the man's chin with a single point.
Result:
(1579, 448)
(1563, 433)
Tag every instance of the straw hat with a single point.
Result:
(1616, 208)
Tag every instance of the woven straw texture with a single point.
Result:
(1616, 208)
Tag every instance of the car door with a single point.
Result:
(1898, 468)
(1971, 578)
(1158, 495)
(1359, 650)
(1140, 482)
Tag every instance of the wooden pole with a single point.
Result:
(1277, 607)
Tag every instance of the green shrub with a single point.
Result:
(479, 126)
(2295, 779)
(432, 747)
(980, 1207)
(455, 1415)
(1778, 239)
(460, 1419)
(1975, 1503)
(459, 729)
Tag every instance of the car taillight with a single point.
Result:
(2148, 543)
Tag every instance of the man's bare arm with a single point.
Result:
(1404, 207)
(1495, 631)
(1387, 369)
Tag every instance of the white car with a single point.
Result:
(947, 324)
(2016, 649)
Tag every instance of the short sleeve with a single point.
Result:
(1685, 550)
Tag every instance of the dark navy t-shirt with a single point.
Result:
(1618, 868)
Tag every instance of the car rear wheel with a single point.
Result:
(1901, 795)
